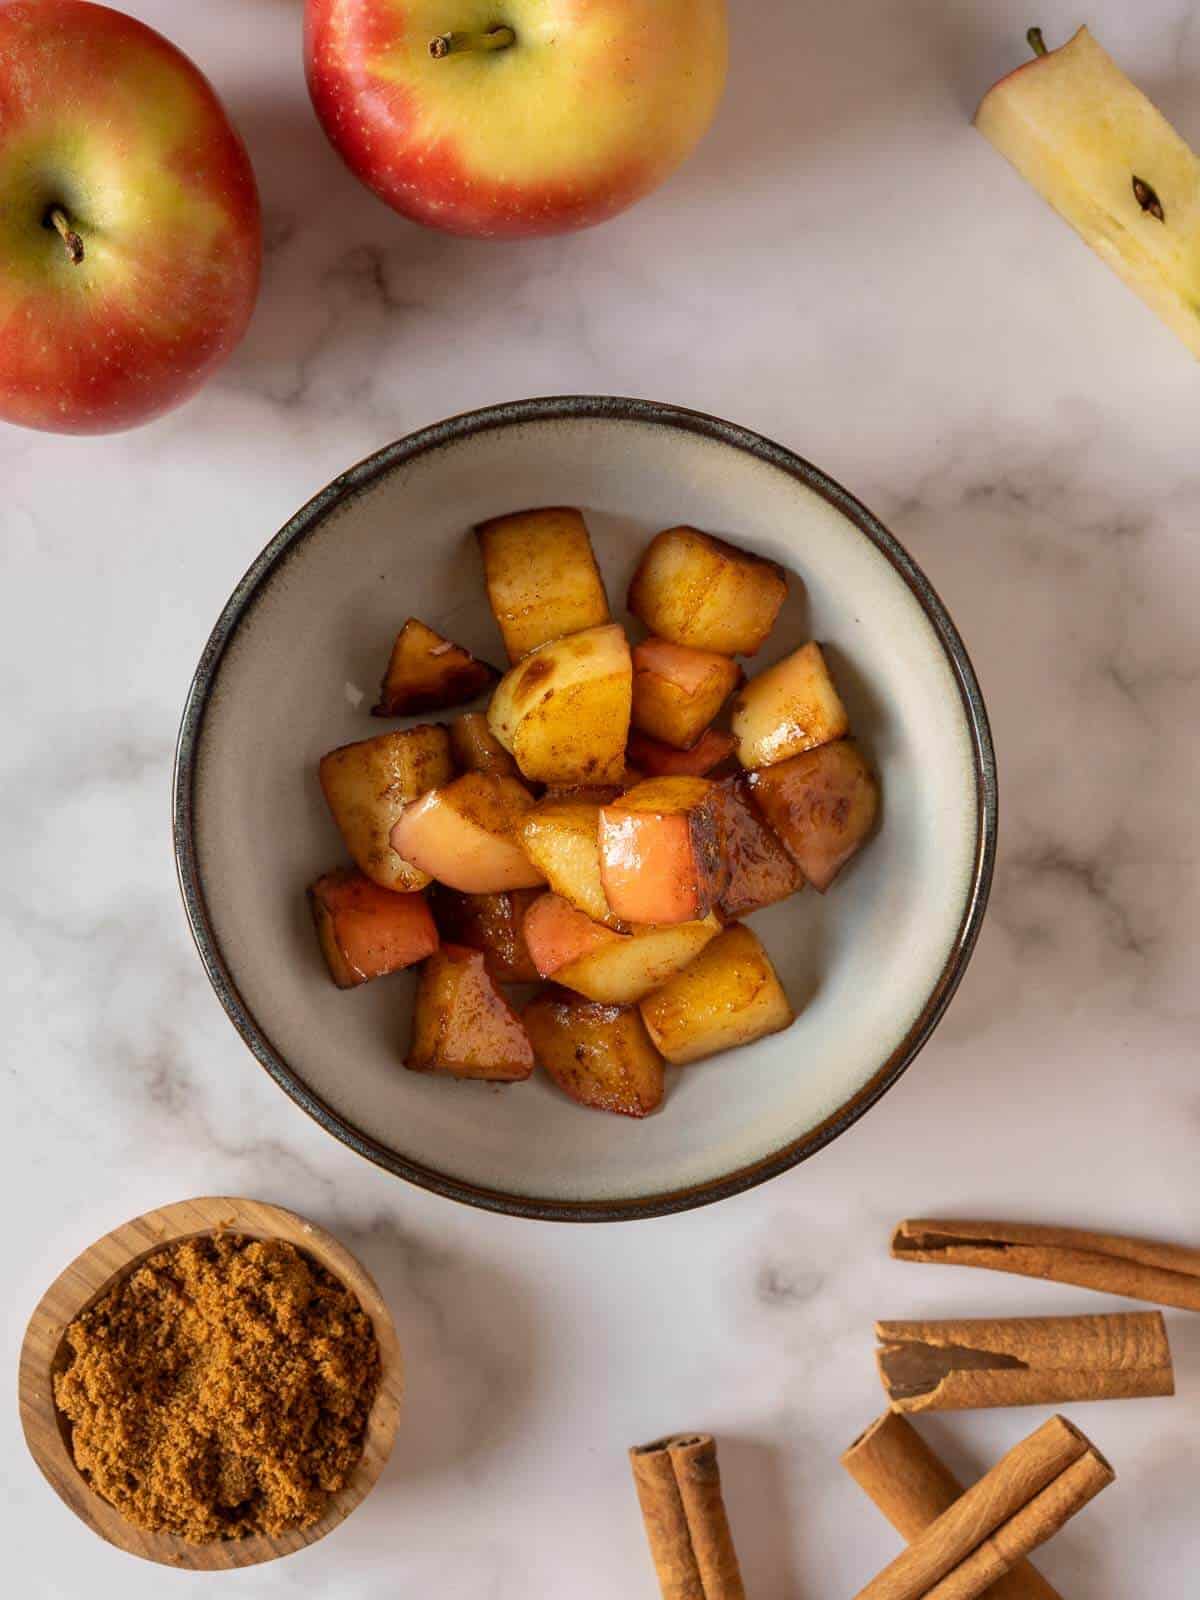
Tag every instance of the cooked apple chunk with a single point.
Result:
(562, 838)
(601, 1056)
(542, 577)
(564, 711)
(791, 707)
(694, 589)
(822, 805)
(677, 691)
(661, 761)
(616, 968)
(466, 835)
(660, 855)
(727, 997)
(761, 871)
(493, 923)
(367, 787)
(462, 1024)
(366, 932)
(476, 749)
(429, 673)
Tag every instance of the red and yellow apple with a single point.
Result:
(518, 117)
(130, 233)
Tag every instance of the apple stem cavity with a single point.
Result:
(1036, 42)
(56, 218)
(449, 44)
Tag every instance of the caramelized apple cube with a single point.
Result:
(727, 997)
(822, 805)
(677, 691)
(761, 871)
(428, 673)
(366, 932)
(615, 968)
(542, 577)
(368, 786)
(694, 589)
(564, 711)
(462, 1024)
(660, 855)
(466, 835)
(660, 761)
(562, 838)
(791, 707)
(493, 923)
(476, 749)
(601, 1056)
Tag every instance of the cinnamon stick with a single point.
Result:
(1139, 1269)
(1024, 1361)
(679, 1489)
(912, 1487)
(1018, 1505)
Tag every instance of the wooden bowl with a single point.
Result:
(102, 1265)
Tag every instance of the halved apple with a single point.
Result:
(822, 805)
(617, 968)
(694, 589)
(791, 707)
(463, 1025)
(562, 838)
(601, 1056)
(368, 786)
(761, 871)
(366, 932)
(677, 691)
(466, 835)
(542, 577)
(1109, 162)
(428, 673)
(661, 761)
(476, 749)
(660, 854)
(729, 996)
(493, 923)
(564, 711)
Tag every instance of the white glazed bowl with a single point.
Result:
(289, 673)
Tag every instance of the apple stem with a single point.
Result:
(448, 44)
(1036, 42)
(69, 237)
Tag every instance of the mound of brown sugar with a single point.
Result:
(222, 1389)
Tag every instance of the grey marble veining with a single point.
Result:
(847, 267)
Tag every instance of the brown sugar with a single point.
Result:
(221, 1389)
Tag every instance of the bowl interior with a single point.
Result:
(299, 675)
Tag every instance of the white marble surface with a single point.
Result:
(849, 268)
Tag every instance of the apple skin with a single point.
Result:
(593, 106)
(103, 117)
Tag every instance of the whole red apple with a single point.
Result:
(130, 232)
(517, 117)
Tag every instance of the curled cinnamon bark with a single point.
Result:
(679, 1489)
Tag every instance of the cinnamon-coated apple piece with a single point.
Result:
(562, 838)
(677, 691)
(428, 673)
(617, 968)
(466, 835)
(563, 712)
(1111, 165)
(476, 749)
(366, 932)
(660, 852)
(601, 1056)
(711, 750)
(791, 707)
(542, 579)
(727, 997)
(493, 923)
(697, 590)
(368, 785)
(822, 805)
(463, 1025)
(760, 870)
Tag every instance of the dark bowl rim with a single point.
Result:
(345, 487)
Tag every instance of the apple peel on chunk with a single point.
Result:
(466, 835)
(660, 855)
(616, 968)
(366, 932)
(463, 1025)
(677, 690)
(822, 805)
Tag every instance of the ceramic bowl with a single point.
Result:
(290, 672)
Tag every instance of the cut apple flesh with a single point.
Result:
(615, 968)
(465, 835)
(761, 872)
(729, 996)
(601, 1056)
(493, 923)
(677, 691)
(1112, 166)
(427, 673)
(462, 1024)
(822, 805)
(663, 761)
